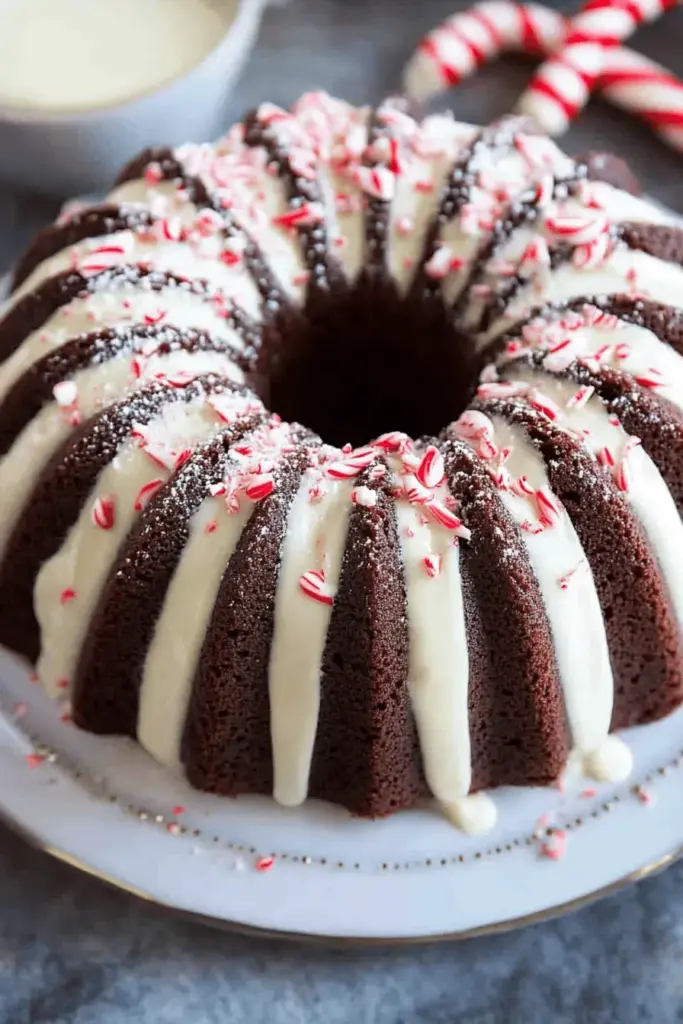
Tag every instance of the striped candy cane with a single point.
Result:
(561, 86)
(637, 84)
(462, 43)
(456, 48)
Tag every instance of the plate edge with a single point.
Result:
(339, 941)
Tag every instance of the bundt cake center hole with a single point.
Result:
(367, 362)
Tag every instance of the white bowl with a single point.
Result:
(66, 154)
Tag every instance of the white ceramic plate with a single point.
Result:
(105, 806)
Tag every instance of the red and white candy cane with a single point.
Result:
(461, 44)
(637, 84)
(562, 85)
(466, 41)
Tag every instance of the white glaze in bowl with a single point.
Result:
(64, 154)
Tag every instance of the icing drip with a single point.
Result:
(556, 555)
(84, 560)
(314, 540)
(173, 653)
(95, 388)
(438, 662)
(214, 532)
(634, 471)
(109, 307)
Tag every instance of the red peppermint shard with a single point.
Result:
(171, 229)
(415, 492)
(432, 564)
(442, 262)
(541, 403)
(395, 441)
(650, 378)
(548, 507)
(153, 174)
(431, 470)
(313, 585)
(522, 488)
(605, 457)
(260, 487)
(230, 258)
(146, 493)
(102, 258)
(581, 397)
(182, 457)
(160, 455)
(352, 464)
(103, 514)
(577, 229)
(300, 216)
(378, 182)
(445, 517)
(554, 847)
(500, 389)
(180, 379)
(154, 317)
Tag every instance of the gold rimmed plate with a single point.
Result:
(346, 941)
(104, 807)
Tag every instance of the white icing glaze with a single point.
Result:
(119, 307)
(612, 761)
(599, 280)
(625, 271)
(315, 539)
(97, 387)
(344, 200)
(501, 173)
(647, 492)
(574, 611)
(445, 140)
(179, 258)
(647, 351)
(173, 654)
(640, 351)
(171, 662)
(86, 556)
(622, 206)
(240, 175)
(438, 665)
(475, 813)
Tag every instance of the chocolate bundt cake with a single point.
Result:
(344, 459)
